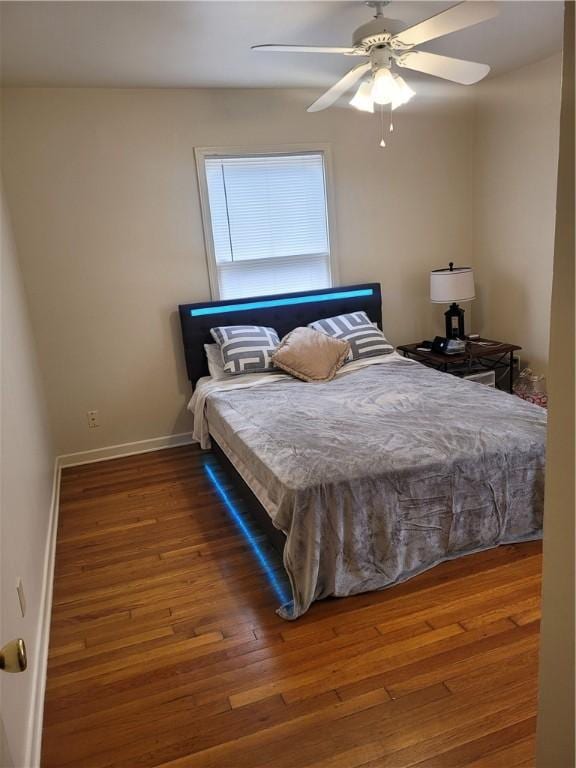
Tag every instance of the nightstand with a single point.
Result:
(480, 355)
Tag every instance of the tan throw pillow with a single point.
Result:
(310, 355)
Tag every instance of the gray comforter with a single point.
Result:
(384, 472)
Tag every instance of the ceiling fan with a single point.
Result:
(380, 85)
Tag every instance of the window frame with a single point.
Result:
(202, 153)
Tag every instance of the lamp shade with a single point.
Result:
(362, 99)
(384, 88)
(452, 285)
(403, 94)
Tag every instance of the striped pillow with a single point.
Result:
(246, 348)
(365, 339)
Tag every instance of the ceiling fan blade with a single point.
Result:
(458, 17)
(339, 88)
(302, 48)
(457, 70)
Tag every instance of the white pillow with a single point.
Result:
(215, 364)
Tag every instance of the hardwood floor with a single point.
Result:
(165, 649)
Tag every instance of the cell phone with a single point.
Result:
(448, 346)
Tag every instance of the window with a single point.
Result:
(265, 222)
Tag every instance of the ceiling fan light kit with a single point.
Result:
(385, 50)
(384, 87)
(403, 92)
(363, 99)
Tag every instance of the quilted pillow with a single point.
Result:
(365, 339)
(310, 355)
(246, 348)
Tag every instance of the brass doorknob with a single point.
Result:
(13, 656)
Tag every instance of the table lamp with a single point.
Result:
(449, 286)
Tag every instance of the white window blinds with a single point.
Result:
(269, 225)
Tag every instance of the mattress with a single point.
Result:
(381, 473)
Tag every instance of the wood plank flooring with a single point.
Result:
(166, 651)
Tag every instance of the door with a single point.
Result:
(12, 657)
(5, 758)
(12, 660)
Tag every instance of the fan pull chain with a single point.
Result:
(391, 120)
(382, 142)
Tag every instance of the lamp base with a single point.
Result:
(454, 322)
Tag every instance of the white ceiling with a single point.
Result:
(207, 44)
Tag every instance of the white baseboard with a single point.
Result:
(34, 741)
(124, 449)
(40, 663)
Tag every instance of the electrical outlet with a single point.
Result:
(21, 597)
(93, 420)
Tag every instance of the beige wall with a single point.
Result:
(555, 747)
(102, 185)
(27, 467)
(516, 151)
(103, 191)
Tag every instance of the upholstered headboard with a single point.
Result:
(282, 312)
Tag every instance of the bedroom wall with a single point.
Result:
(103, 191)
(27, 473)
(516, 164)
(556, 710)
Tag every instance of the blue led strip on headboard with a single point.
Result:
(215, 310)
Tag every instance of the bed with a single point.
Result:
(383, 472)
